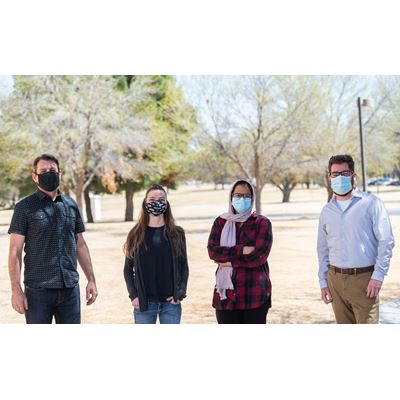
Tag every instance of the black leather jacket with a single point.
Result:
(134, 277)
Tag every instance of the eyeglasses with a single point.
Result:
(45, 171)
(343, 173)
(241, 196)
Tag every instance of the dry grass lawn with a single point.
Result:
(293, 260)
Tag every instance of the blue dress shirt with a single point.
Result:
(357, 237)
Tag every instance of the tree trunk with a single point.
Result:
(129, 204)
(257, 175)
(286, 186)
(66, 190)
(88, 207)
(287, 190)
(258, 190)
(79, 192)
(328, 186)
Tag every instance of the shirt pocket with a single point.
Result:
(248, 235)
(40, 221)
(70, 220)
(248, 238)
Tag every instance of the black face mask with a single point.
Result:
(156, 207)
(49, 181)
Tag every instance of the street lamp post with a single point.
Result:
(363, 103)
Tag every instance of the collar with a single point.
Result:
(356, 193)
(43, 195)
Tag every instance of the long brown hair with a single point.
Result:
(136, 235)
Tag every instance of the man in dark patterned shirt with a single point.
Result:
(50, 226)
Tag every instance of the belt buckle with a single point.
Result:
(355, 271)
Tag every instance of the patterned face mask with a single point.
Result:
(156, 207)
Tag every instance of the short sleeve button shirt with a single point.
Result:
(49, 228)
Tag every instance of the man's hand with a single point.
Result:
(326, 295)
(171, 300)
(19, 301)
(248, 250)
(82, 252)
(373, 288)
(18, 298)
(91, 293)
(135, 303)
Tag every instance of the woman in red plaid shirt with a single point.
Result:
(240, 242)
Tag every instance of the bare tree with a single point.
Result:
(386, 127)
(253, 120)
(337, 129)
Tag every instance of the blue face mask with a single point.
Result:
(342, 185)
(241, 205)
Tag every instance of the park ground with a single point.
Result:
(293, 259)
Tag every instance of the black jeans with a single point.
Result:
(247, 316)
(63, 304)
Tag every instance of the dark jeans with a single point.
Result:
(167, 312)
(247, 316)
(62, 304)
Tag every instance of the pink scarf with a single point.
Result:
(228, 239)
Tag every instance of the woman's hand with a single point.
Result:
(171, 300)
(135, 302)
(248, 250)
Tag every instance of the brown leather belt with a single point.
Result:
(351, 271)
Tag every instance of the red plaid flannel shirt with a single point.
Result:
(250, 277)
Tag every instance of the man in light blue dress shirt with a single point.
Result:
(355, 243)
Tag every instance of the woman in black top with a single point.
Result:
(156, 268)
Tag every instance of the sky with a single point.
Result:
(6, 85)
